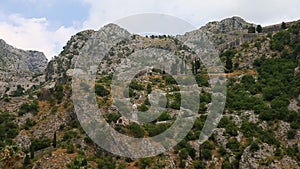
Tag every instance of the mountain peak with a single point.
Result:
(227, 25)
(114, 29)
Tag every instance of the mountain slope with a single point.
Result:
(260, 124)
(17, 67)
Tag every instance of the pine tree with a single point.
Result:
(26, 160)
(259, 29)
(251, 29)
(193, 68)
(283, 25)
(229, 65)
(197, 65)
(54, 140)
(31, 152)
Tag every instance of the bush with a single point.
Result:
(226, 164)
(29, 108)
(70, 148)
(184, 154)
(169, 80)
(78, 162)
(164, 117)
(135, 86)
(113, 117)
(291, 134)
(106, 163)
(142, 107)
(259, 28)
(154, 130)
(38, 144)
(101, 91)
(88, 140)
(8, 128)
(29, 123)
(59, 93)
(254, 146)
(251, 29)
(18, 92)
(202, 80)
(136, 130)
(198, 165)
(206, 154)
(230, 127)
(234, 145)
(69, 135)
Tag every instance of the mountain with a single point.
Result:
(17, 67)
(259, 127)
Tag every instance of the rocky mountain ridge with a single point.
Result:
(259, 128)
(18, 67)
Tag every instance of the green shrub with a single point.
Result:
(59, 93)
(136, 130)
(206, 154)
(164, 117)
(8, 128)
(234, 145)
(69, 135)
(183, 154)
(113, 117)
(136, 86)
(291, 134)
(254, 146)
(78, 162)
(29, 108)
(29, 123)
(38, 144)
(18, 92)
(143, 107)
(101, 91)
(169, 80)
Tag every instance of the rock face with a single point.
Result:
(57, 67)
(17, 67)
(17, 60)
(53, 117)
(227, 25)
(252, 159)
(230, 32)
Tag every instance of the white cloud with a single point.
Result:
(198, 12)
(34, 34)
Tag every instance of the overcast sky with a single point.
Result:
(46, 25)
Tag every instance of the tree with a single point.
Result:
(254, 146)
(259, 29)
(228, 65)
(184, 154)
(18, 92)
(283, 25)
(291, 134)
(136, 130)
(251, 29)
(54, 140)
(101, 91)
(149, 88)
(31, 151)
(26, 160)
(197, 66)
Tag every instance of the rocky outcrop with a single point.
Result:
(18, 67)
(17, 60)
(228, 33)
(59, 65)
(254, 159)
(227, 25)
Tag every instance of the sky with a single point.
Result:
(46, 25)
